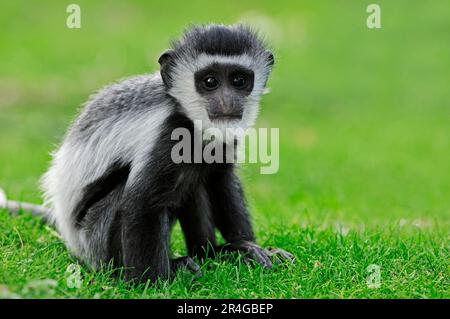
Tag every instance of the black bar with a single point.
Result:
(224, 308)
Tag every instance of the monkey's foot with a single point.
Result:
(185, 263)
(265, 257)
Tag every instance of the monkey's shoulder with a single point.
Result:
(133, 93)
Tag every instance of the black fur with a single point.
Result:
(217, 39)
(183, 191)
(99, 189)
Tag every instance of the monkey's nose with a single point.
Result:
(229, 107)
(226, 106)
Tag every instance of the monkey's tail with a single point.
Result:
(15, 207)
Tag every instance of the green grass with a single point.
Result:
(364, 118)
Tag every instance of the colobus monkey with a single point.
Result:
(113, 190)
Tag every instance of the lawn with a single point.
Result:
(364, 118)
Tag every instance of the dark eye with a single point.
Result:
(238, 81)
(210, 82)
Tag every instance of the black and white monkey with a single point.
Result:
(113, 190)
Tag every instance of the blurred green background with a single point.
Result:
(364, 114)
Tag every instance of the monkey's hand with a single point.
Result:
(185, 263)
(265, 257)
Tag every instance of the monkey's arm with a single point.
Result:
(195, 218)
(228, 205)
(232, 219)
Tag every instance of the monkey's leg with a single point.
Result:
(145, 247)
(197, 225)
(145, 244)
(232, 219)
(145, 226)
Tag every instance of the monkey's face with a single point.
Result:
(224, 88)
(217, 74)
(222, 92)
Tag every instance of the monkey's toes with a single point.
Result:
(186, 263)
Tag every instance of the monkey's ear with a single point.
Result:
(270, 58)
(164, 62)
(165, 57)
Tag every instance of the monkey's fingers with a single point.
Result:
(280, 255)
(258, 255)
(186, 263)
(250, 252)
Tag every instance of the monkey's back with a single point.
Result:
(119, 124)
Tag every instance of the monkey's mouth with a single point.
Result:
(226, 117)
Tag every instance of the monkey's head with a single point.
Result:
(218, 74)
